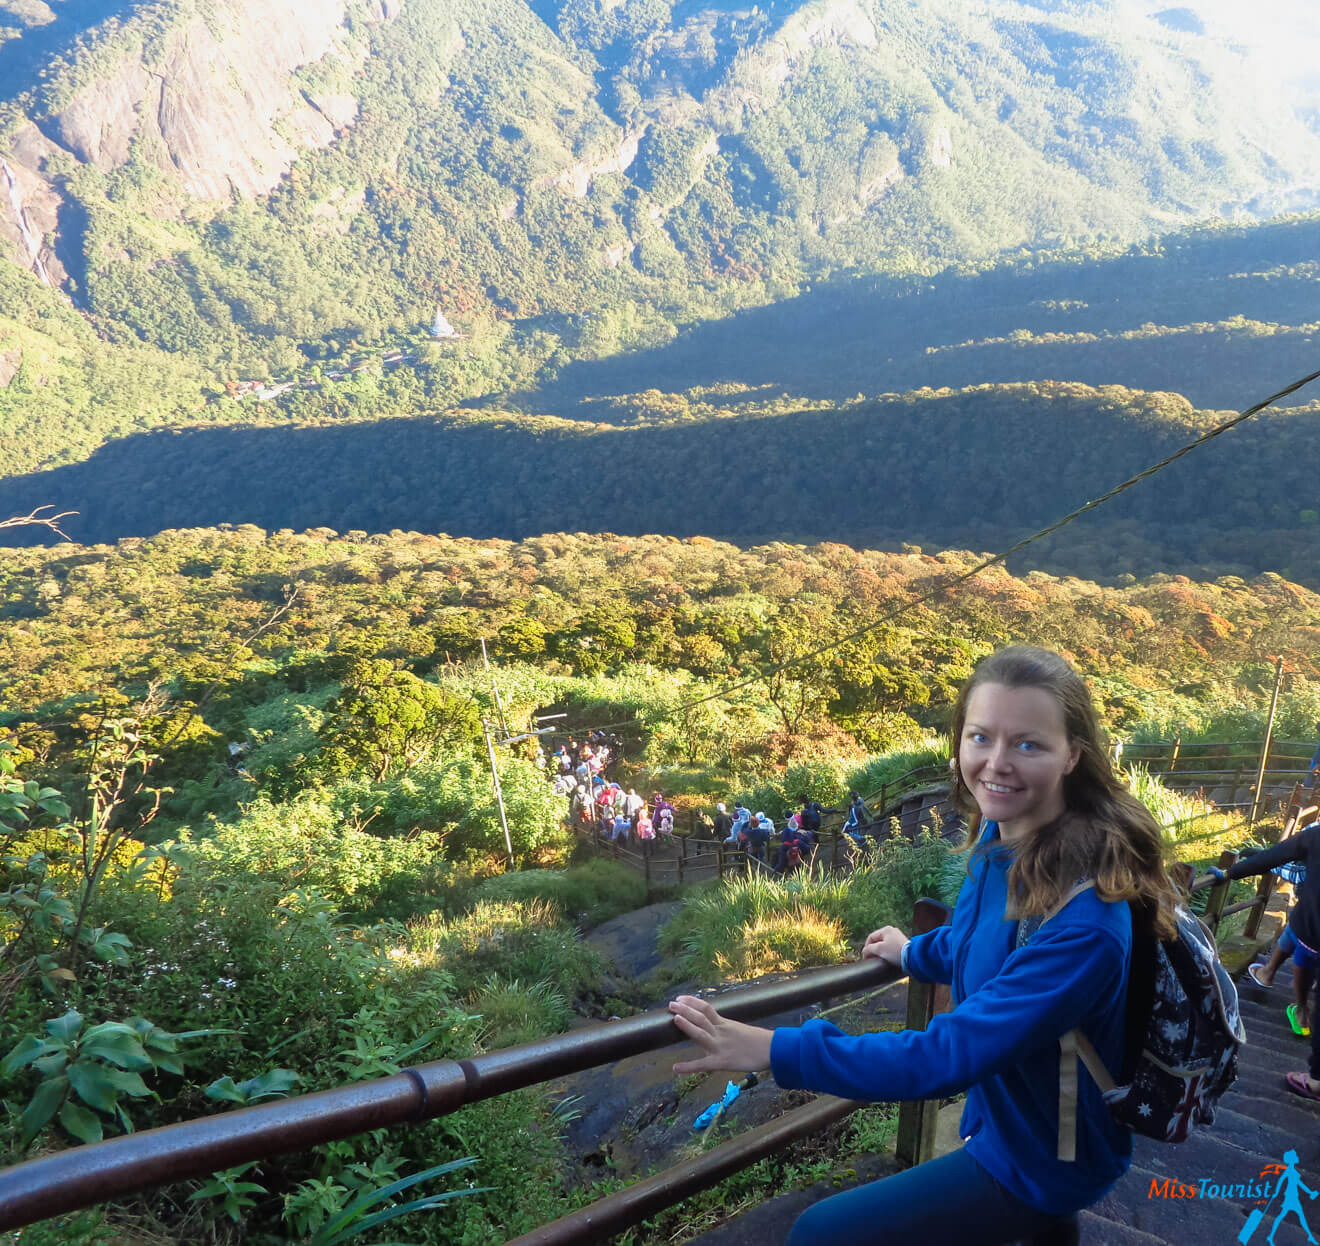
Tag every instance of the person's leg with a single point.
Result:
(1305, 961)
(1302, 980)
(1266, 976)
(1307, 1082)
(950, 1201)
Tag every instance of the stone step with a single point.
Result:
(1270, 1003)
(1097, 1231)
(1257, 1060)
(1266, 1084)
(1259, 1134)
(1183, 1220)
(1273, 1019)
(1209, 1154)
(1283, 1044)
(1278, 1106)
(1252, 996)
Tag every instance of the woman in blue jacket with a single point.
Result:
(1055, 835)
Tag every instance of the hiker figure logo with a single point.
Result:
(1290, 1181)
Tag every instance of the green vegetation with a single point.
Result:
(589, 895)
(766, 471)
(607, 629)
(878, 229)
(182, 929)
(759, 924)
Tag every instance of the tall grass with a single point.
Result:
(512, 1012)
(524, 939)
(585, 894)
(1195, 830)
(1169, 805)
(760, 923)
(870, 776)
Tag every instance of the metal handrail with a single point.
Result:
(85, 1175)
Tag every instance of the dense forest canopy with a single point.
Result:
(935, 467)
(82, 623)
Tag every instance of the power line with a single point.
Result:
(1218, 431)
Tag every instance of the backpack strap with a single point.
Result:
(1074, 1046)
(1028, 926)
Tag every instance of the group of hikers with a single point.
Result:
(583, 771)
(754, 832)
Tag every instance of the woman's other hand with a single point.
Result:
(728, 1045)
(885, 944)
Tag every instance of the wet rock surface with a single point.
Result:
(635, 1116)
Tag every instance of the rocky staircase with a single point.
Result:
(1258, 1121)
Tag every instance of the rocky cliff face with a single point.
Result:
(214, 105)
(577, 178)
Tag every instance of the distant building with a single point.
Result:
(442, 327)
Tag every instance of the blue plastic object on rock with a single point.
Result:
(731, 1092)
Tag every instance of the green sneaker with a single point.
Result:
(1302, 1031)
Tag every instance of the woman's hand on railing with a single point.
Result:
(885, 944)
(728, 1045)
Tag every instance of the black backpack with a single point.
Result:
(1183, 1032)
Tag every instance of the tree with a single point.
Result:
(799, 687)
(387, 720)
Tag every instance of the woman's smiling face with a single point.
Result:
(1013, 756)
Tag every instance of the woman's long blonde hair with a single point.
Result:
(1105, 833)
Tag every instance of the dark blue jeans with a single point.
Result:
(950, 1201)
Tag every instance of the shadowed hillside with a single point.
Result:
(973, 468)
(1223, 316)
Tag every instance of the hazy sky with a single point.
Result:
(1288, 31)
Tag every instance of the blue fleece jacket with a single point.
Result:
(1000, 1041)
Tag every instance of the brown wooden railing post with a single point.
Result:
(916, 1118)
(1173, 757)
(834, 852)
(719, 860)
(1218, 893)
(682, 858)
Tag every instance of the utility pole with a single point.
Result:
(499, 705)
(1269, 733)
(499, 795)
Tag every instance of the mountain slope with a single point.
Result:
(478, 159)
